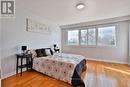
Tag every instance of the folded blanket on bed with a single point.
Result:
(65, 67)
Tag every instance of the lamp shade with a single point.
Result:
(54, 45)
(24, 48)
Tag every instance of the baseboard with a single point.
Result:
(109, 61)
(8, 75)
(4, 76)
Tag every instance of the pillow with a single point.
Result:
(34, 54)
(48, 52)
(44, 52)
(39, 52)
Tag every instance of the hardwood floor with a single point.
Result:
(98, 74)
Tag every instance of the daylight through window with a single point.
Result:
(73, 37)
(98, 36)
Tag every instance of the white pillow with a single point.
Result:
(48, 52)
(34, 54)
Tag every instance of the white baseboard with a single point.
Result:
(110, 61)
(10, 74)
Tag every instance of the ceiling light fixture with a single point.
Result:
(80, 6)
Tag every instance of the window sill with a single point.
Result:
(90, 46)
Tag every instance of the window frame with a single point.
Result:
(78, 38)
(96, 34)
(88, 28)
(108, 25)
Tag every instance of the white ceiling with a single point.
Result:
(64, 12)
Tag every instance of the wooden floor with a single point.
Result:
(98, 74)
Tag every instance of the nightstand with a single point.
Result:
(27, 65)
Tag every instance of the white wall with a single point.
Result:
(56, 35)
(117, 54)
(14, 35)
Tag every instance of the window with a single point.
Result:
(91, 36)
(88, 37)
(97, 36)
(107, 36)
(83, 37)
(73, 37)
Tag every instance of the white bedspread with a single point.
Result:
(59, 66)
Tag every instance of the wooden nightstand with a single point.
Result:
(27, 65)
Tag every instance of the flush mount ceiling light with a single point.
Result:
(80, 6)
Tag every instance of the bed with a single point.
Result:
(62, 66)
